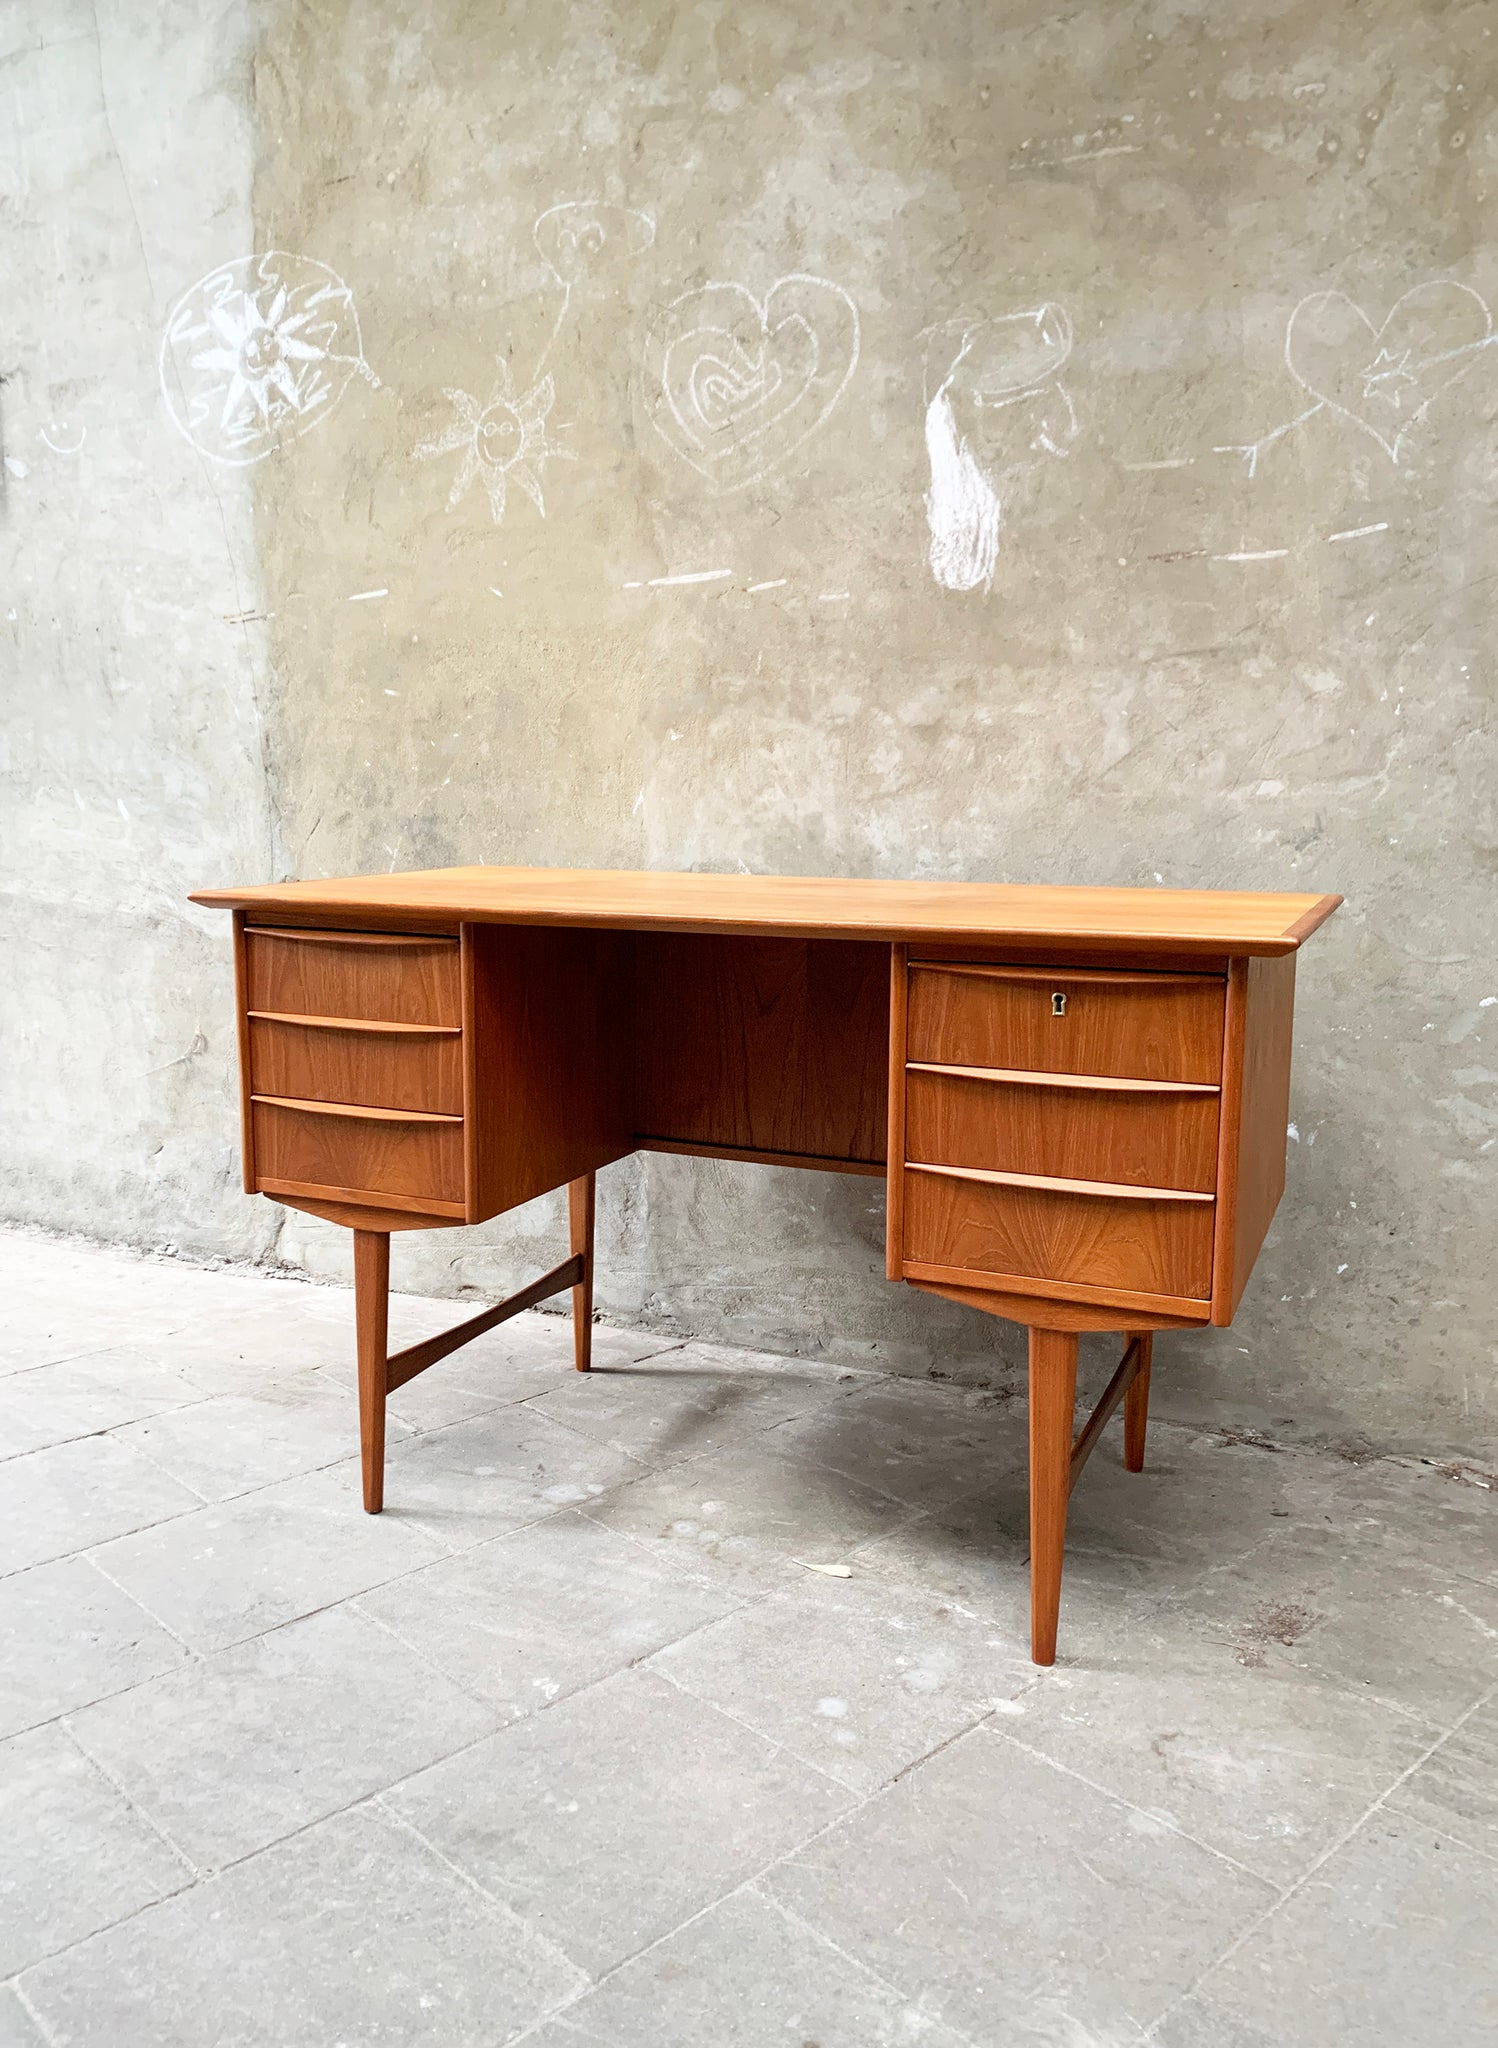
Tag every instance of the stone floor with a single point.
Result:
(688, 1705)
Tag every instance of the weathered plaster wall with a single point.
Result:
(130, 756)
(1180, 670)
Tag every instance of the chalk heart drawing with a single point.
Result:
(737, 384)
(258, 352)
(573, 237)
(1386, 378)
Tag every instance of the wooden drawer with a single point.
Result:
(1146, 1136)
(1119, 1242)
(402, 1159)
(385, 1066)
(383, 977)
(1154, 1027)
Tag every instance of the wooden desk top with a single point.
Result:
(1184, 921)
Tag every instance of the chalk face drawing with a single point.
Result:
(995, 407)
(736, 385)
(1386, 379)
(258, 352)
(502, 439)
(575, 237)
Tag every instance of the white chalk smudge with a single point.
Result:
(776, 583)
(962, 507)
(363, 596)
(693, 576)
(834, 1709)
(1255, 555)
(17, 467)
(1357, 532)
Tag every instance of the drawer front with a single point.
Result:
(358, 1156)
(385, 1069)
(1145, 1027)
(1154, 1139)
(388, 978)
(1123, 1242)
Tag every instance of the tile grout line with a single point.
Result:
(141, 1813)
(52, 2040)
(819, 1934)
(1319, 1863)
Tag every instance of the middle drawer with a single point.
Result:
(1140, 1137)
(375, 1067)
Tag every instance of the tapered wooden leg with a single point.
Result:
(581, 1202)
(372, 1321)
(1053, 1393)
(1137, 1407)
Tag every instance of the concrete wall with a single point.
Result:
(1137, 633)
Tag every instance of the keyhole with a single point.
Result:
(1058, 1004)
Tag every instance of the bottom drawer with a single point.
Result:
(1138, 1244)
(361, 1154)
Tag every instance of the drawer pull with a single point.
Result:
(1107, 1189)
(1038, 1077)
(310, 936)
(358, 1024)
(362, 1113)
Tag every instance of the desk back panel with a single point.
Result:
(547, 1035)
(763, 1047)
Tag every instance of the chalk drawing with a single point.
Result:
(258, 352)
(995, 406)
(64, 436)
(736, 385)
(1383, 379)
(575, 241)
(503, 441)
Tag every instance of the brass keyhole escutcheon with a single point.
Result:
(1058, 1004)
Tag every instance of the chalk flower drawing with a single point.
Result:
(1384, 379)
(258, 352)
(997, 408)
(502, 439)
(736, 384)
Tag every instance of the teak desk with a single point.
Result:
(1077, 1097)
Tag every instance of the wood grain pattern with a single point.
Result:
(753, 1155)
(770, 1045)
(1159, 1308)
(360, 1215)
(894, 1205)
(1152, 1139)
(1143, 1247)
(549, 1039)
(372, 1324)
(383, 977)
(386, 1068)
(1116, 1190)
(241, 1009)
(1053, 1314)
(1256, 1108)
(1165, 1028)
(1053, 1397)
(369, 1153)
(1137, 1408)
(1173, 921)
(1117, 1389)
(582, 1206)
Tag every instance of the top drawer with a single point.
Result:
(385, 977)
(1135, 1027)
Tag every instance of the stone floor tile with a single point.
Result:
(860, 1678)
(16, 2027)
(77, 1494)
(925, 1445)
(243, 1566)
(538, 1613)
(236, 1443)
(49, 1317)
(1456, 1790)
(1442, 1516)
(1267, 1767)
(1013, 1899)
(474, 1479)
(53, 1404)
(687, 1401)
(610, 1818)
(1347, 1603)
(67, 1637)
(1390, 1943)
(747, 1511)
(745, 1974)
(236, 1750)
(351, 1932)
(73, 1855)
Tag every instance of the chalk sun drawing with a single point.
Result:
(1383, 379)
(502, 439)
(997, 407)
(258, 352)
(736, 385)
